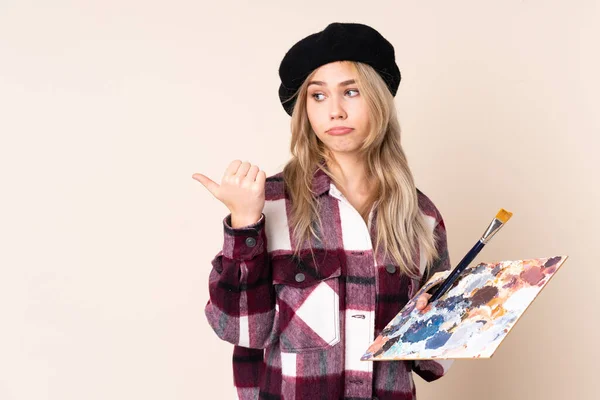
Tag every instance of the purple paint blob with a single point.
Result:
(512, 283)
(483, 295)
(552, 261)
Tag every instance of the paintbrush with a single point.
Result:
(498, 222)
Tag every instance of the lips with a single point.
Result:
(339, 130)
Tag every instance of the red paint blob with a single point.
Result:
(532, 275)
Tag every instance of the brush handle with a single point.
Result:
(457, 271)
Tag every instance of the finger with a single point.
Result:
(252, 172)
(243, 169)
(421, 302)
(261, 177)
(233, 167)
(207, 183)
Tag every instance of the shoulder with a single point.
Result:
(428, 208)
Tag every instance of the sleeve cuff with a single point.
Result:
(431, 370)
(245, 242)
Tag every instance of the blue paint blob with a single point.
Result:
(450, 303)
(391, 330)
(423, 329)
(497, 269)
(479, 268)
(438, 340)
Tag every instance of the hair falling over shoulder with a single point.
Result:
(400, 224)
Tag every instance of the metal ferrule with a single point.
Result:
(494, 227)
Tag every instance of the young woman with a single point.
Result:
(319, 257)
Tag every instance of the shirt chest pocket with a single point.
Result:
(308, 300)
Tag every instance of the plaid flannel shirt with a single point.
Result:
(300, 326)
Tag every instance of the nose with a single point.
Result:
(337, 110)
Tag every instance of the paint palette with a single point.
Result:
(471, 319)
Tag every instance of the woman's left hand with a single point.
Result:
(422, 301)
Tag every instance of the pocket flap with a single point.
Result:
(287, 268)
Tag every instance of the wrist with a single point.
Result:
(240, 221)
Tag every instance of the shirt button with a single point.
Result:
(391, 268)
(300, 277)
(250, 242)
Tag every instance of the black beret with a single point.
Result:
(337, 42)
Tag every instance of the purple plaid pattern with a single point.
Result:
(300, 325)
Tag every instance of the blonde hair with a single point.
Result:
(400, 223)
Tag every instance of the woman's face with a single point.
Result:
(333, 101)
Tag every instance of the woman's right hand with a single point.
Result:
(242, 190)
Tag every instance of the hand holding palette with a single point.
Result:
(471, 319)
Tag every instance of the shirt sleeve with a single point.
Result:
(430, 370)
(241, 308)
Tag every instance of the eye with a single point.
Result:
(352, 90)
(314, 96)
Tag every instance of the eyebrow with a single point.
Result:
(344, 83)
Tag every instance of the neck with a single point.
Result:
(351, 173)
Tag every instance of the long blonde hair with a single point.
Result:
(400, 223)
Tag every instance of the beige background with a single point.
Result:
(108, 107)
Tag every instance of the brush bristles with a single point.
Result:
(503, 215)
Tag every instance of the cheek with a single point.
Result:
(310, 112)
(362, 114)
(313, 117)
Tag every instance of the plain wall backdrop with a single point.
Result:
(108, 107)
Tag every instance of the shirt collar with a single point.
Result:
(320, 182)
